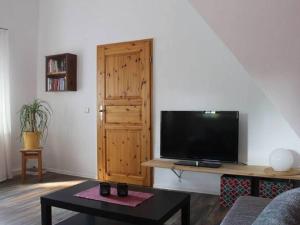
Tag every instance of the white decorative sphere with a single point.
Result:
(281, 160)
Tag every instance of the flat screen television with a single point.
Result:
(200, 135)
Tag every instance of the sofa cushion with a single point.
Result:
(245, 210)
(283, 210)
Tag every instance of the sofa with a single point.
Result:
(245, 210)
(250, 210)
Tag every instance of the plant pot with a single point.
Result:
(31, 140)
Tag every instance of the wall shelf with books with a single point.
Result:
(61, 72)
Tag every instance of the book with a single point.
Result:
(57, 66)
(56, 84)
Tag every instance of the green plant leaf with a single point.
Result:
(35, 117)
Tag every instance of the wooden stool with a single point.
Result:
(32, 154)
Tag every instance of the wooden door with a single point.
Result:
(124, 112)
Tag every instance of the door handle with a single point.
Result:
(102, 110)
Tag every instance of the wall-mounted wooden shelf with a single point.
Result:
(226, 168)
(61, 73)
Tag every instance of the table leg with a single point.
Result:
(40, 166)
(185, 214)
(46, 214)
(23, 167)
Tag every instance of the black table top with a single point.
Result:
(161, 206)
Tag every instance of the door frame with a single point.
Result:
(101, 85)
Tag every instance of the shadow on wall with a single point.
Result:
(243, 138)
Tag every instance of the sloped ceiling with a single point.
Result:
(264, 35)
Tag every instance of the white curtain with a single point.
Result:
(5, 120)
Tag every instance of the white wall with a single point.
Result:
(265, 43)
(20, 18)
(193, 70)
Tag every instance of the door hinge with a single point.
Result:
(150, 59)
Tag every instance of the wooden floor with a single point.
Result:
(19, 203)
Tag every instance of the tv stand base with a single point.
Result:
(202, 163)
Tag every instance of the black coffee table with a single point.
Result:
(154, 211)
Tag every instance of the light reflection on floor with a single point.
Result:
(60, 184)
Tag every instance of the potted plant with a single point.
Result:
(34, 120)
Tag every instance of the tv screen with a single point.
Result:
(198, 135)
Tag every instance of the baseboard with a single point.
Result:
(162, 186)
(72, 173)
(17, 171)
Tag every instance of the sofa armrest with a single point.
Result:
(245, 210)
